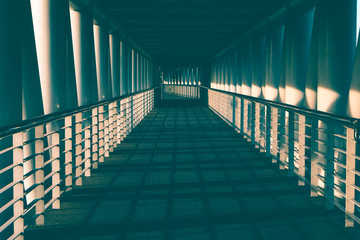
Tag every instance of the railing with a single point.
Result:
(321, 149)
(46, 157)
(174, 91)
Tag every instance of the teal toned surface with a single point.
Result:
(184, 174)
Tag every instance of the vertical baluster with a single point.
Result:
(233, 111)
(95, 138)
(282, 140)
(78, 149)
(262, 128)
(268, 123)
(68, 154)
(351, 149)
(290, 145)
(131, 99)
(302, 149)
(39, 175)
(87, 149)
(101, 133)
(252, 122)
(256, 115)
(18, 189)
(121, 122)
(242, 116)
(106, 130)
(55, 166)
(330, 170)
(314, 158)
(111, 127)
(274, 134)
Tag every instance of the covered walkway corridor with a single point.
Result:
(184, 174)
(179, 119)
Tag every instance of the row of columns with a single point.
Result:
(185, 76)
(55, 59)
(308, 60)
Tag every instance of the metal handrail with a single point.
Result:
(26, 124)
(327, 163)
(330, 117)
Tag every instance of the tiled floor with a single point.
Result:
(184, 174)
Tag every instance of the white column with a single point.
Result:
(82, 36)
(297, 50)
(101, 40)
(115, 64)
(10, 100)
(337, 37)
(52, 46)
(273, 63)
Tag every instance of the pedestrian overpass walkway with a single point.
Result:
(184, 174)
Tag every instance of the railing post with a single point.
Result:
(18, 189)
(291, 139)
(252, 123)
(87, 150)
(123, 119)
(351, 149)
(274, 134)
(242, 116)
(101, 130)
(302, 149)
(119, 123)
(263, 124)
(106, 131)
(282, 140)
(131, 113)
(78, 149)
(314, 159)
(233, 112)
(268, 124)
(111, 128)
(256, 121)
(55, 165)
(95, 138)
(330, 170)
(68, 154)
(39, 175)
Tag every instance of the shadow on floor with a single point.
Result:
(184, 174)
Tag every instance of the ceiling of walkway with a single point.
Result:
(186, 32)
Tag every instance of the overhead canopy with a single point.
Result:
(186, 32)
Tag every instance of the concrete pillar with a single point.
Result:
(70, 81)
(54, 52)
(297, 48)
(101, 40)
(353, 105)
(247, 66)
(115, 64)
(258, 50)
(129, 70)
(222, 73)
(123, 68)
(238, 71)
(337, 37)
(82, 36)
(138, 71)
(234, 70)
(133, 71)
(10, 71)
(143, 73)
(31, 89)
(312, 71)
(227, 71)
(273, 53)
